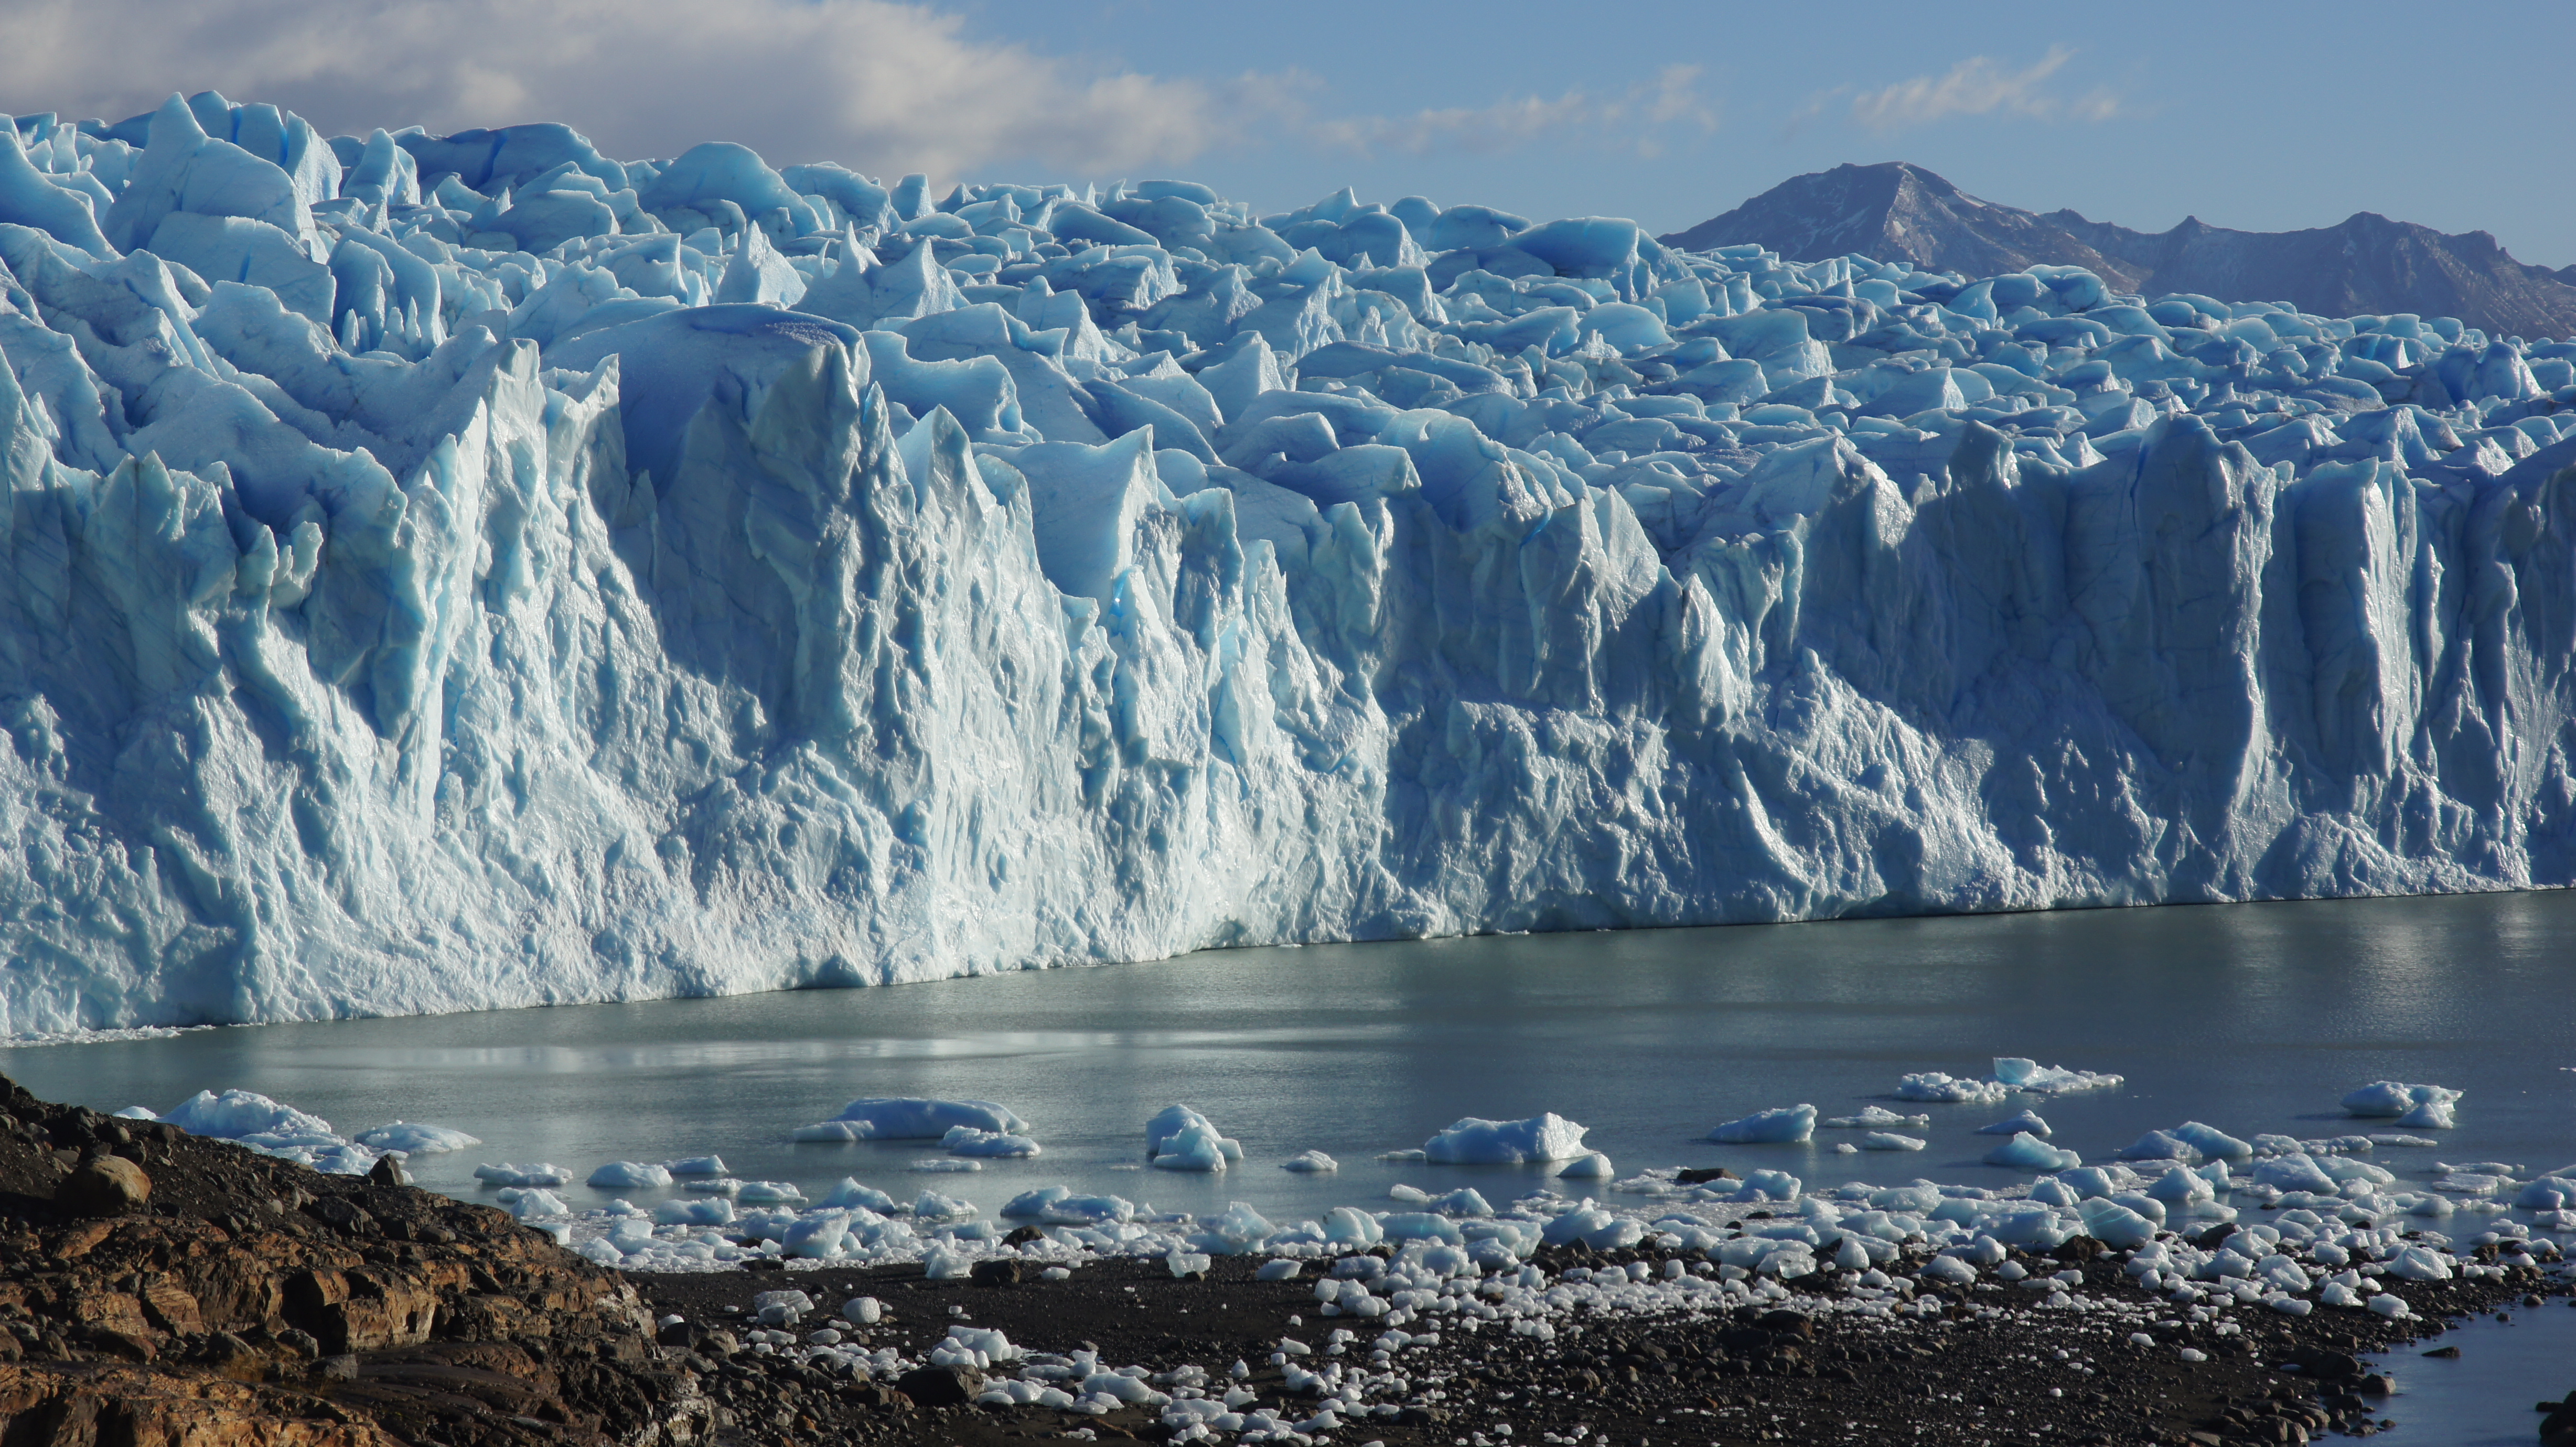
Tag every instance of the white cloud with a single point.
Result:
(1633, 118)
(875, 84)
(1979, 86)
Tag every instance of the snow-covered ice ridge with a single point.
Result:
(446, 573)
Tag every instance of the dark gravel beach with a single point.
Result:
(1753, 1376)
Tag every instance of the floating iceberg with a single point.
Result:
(414, 1139)
(1875, 1117)
(1784, 1126)
(1310, 1162)
(393, 623)
(627, 1175)
(966, 1140)
(247, 1118)
(1934, 1085)
(1180, 1139)
(2419, 1107)
(1475, 1141)
(242, 1114)
(2026, 1123)
(2030, 1075)
(2030, 1153)
(517, 1177)
(908, 1118)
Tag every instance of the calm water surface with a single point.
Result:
(2250, 1017)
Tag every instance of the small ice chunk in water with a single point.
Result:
(1876, 1117)
(138, 1112)
(2030, 1075)
(1399, 1158)
(546, 1174)
(2026, 1123)
(851, 1194)
(697, 1166)
(2431, 1115)
(1787, 1125)
(2029, 1153)
(931, 1206)
(1031, 1204)
(1180, 1139)
(1310, 1162)
(1477, 1141)
(936, 1165)
(1933, 1085)
(414, 1139)
(1880, 1140)
(621, 1175)
(911, 1118)
(2394, 1099)
(771, 1193)
(1593, 1166)
(530, 1203)
(1410, 1195)
(1464, 1201)
(717, 1186)
(2191, 1142)
(715, 1212)
(1089, 1211)
(966, 1140)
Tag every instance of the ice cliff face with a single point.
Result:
(457, 572)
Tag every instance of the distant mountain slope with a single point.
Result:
(2366, 264)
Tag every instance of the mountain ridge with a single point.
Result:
(2365, 264)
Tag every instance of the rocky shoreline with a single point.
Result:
(160, 1288)
(2020, 1371)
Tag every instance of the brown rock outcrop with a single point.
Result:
(159, 1289)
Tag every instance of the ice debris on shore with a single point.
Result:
(414, 1139)
(248, 1118)
(1356, 570)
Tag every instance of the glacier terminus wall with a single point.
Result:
(441, 573)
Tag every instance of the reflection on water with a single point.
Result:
(2250, 1017)
(2484, 1397)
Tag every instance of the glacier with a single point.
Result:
(455, 572)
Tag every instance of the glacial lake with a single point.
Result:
(2251, 1018)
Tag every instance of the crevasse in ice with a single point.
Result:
(453, 572)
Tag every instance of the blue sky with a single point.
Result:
(2254, 115)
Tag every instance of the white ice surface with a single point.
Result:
(1785, 1125)
(1476, 1141)
(415, 1139)
(385, 625)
